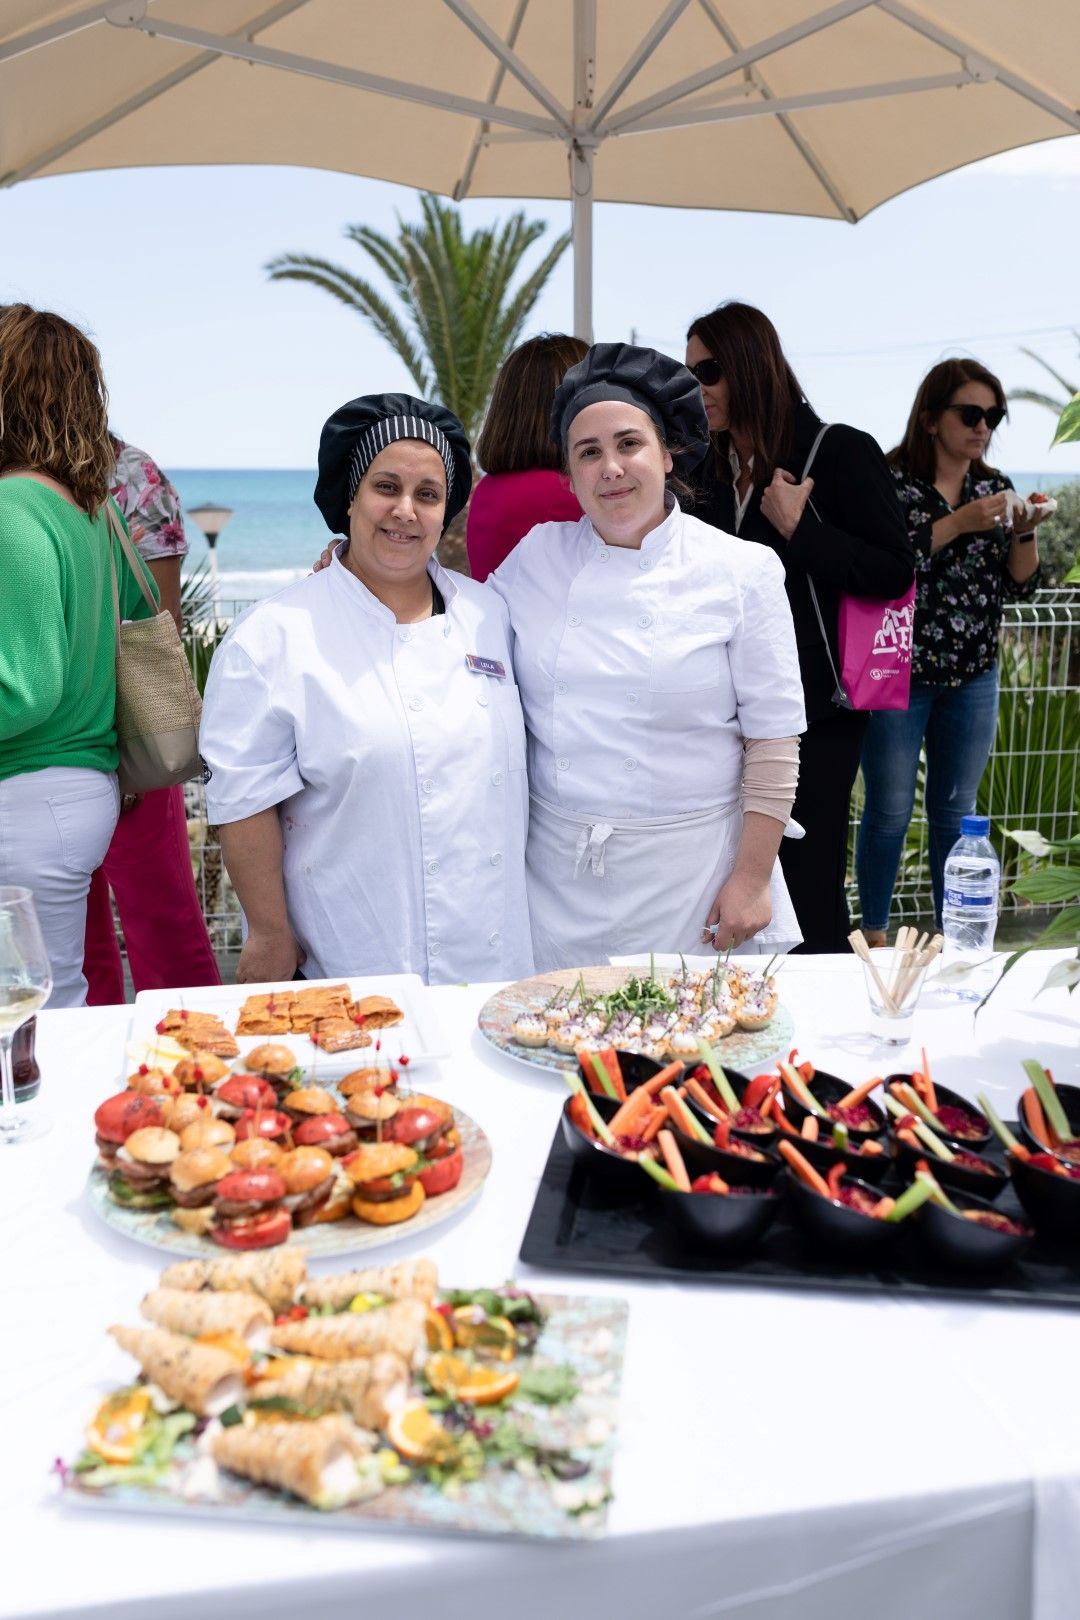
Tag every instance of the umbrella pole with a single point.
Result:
(581, 223)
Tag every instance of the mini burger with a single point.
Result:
(207, 1131)
(140, 1174)
(275, 1063)
(420, 1123)
(152, 1082)
(308, 1103)
(329, 1131)
(248, 1210)
(368, 1112)
(243, 1091)
(256, 1153)
(119, 1116)
(315, 1192)
(194, 1176)
(364, 1080)
(200, 1071)
(267, 1122)
(384, 1178)
(185, 1109)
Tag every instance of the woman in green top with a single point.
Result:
(58, 756)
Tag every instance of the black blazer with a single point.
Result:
(856, 540)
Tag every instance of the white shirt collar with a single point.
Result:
(655, 540)
(370, 602)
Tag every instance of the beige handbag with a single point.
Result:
(157, 703)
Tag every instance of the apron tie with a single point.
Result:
(590, 848)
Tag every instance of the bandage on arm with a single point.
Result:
(770, 775)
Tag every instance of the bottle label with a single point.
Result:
(960, 897)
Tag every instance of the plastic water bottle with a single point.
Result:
(970, 910)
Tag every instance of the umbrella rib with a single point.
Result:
(51, 32)
(462, 187)
(805, 103)
(1005, 75)
(798, 140)
(142, 98)
(635, 62)
(509, 58)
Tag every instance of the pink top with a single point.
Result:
(505, 506)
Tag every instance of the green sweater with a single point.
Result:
(57, 634)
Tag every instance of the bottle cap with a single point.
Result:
(974, 826)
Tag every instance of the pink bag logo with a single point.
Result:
(892, 638)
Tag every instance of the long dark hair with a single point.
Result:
(915, 452)
(516, 435)
(763, 391)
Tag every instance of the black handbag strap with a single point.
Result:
(839, 697)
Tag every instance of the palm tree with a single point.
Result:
(456, 316)
(1033, 396)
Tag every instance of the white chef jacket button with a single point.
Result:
(428, 785)
(404, 635)
(496, 777)
(482, 698)
(604, 555)
(646, 562)
(494, 939)
(574, 620)
(560, 687)
(415, 703)
(562, 764)
(446, 629)
(631, 697)
(433, 867)
(629, 764)
(433, 947)
(644, 620)
(496, 857)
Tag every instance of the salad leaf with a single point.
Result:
(549, 1386)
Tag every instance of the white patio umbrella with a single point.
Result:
(776, 105)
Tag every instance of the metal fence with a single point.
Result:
(1032, 780)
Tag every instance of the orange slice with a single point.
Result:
(415, 1433)
(117, 1425)
(458, 1378)
(439, 1333)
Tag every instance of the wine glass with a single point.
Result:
(25, 983)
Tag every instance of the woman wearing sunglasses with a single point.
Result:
(970, 559)
(839, 527)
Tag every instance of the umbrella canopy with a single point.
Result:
(776, 105)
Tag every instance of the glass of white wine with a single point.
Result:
(25, 982)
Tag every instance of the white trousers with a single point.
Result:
(55, 828)
(599, 889)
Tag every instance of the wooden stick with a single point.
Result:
(857, 941)
(920, 962)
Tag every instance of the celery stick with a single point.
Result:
(915, 1105)
(601, 1071)
(719, 1078)
(934, 1191)
(661, 1176)
(1055, 1114)
(802, 1091)
(574, 1081)
(698, 1130)
(926, 1136)
(998, 1126)
(840, 1136)
(909, 1200)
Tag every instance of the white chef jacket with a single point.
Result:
(397, 770)
(642, 671)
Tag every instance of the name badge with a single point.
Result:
(485, 666)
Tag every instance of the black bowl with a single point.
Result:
(953, 1099)
(830, 1225)
(828, 1089)
(870, 1167)
(960, 1176)
(1070, 1100)
(962, 1245)
(594, 1158)
(725, 1223)
(703, 1160)
(1052, 1201)
(738, 1082)
(635, 1068)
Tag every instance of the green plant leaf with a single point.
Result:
(1051, 885)
(1064, 929)
(1068, 428)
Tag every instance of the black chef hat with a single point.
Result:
(354, 435)
(655, 383)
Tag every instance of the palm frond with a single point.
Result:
(1070, 388)
(1031, 396)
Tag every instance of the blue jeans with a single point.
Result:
(957, 724)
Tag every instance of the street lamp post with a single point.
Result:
(211, 519)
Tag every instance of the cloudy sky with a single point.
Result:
(210, 365)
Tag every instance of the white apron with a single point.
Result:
(599, 888)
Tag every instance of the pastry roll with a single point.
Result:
(377, 1012)
(199, 1376)
(412, 1279)
(275, 1274)
(399, 1327)
(316, 1461)
(183, 1311)
(367, 1388)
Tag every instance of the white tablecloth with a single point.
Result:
(783, 1456)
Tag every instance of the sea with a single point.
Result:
(276, 532)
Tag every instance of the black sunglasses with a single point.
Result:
(972, 415)
(707, 371)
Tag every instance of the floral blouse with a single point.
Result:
(961, 589)
(150, 505)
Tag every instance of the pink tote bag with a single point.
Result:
(874, 638)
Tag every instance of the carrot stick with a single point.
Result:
(580, 1117)
(804, 1169)
(674, 1161)
(703, 1100)
(871, 1148)
(931, 1094)
(1036, 1119)
(655, 1122)
(860, 1093)
(883, 1208)
(810, 1128)
(664, 1078)
(595, 1074)
(680, 1114)
(781, 1118)
(607, 1060)
(722, 1133)
(638, 1103)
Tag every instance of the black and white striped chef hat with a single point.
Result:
(359, 430)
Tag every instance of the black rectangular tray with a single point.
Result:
(577, 1224)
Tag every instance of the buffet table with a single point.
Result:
(782, 1456)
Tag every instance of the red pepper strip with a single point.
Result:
(807, 1071)
(722, 1133)
(781, 1118)
(758, 1089)
(1046, 1161)
(834, 1178)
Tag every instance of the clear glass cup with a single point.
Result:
(893, 986)
(25, 983)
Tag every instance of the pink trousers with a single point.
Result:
(148, 868)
